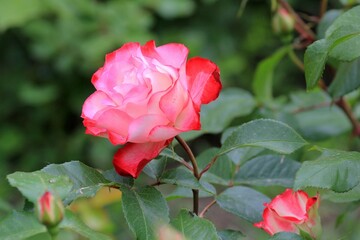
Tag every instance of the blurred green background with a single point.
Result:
(49, 50)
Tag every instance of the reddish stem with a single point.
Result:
(206, 208)
(195, 172)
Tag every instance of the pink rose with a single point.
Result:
(292, 212)
(145, 96)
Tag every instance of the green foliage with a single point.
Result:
(334, 170)
(286, 236)
(193, 227)
(33, 185)
(230, 235)
(72, 222)
(314, 60)
(86, 181)
(10, 229)
(29, 226)
(350, 196)
(341, 42)
(264, 73)
(346, 78)
(221, 172)
(216, 116)
(25, 10)
(268, 170)
(184, 178)
(266, 133)
(243, 202)
(145, 210)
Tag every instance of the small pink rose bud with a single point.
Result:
(292, 211)
(283, 22)
(49, 210)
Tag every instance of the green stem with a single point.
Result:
(195, 172)
(295, 59)
(53, 231)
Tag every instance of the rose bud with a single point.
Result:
(283, 23)
(49, 210)
(292, 212)
(145, 96)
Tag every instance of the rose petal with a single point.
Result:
(132, 158)
(173, 102)
(291, 205)
(189, 118)
(98, 101)
(203, 80)
(160, 133)
(120, 59)
(172, 54)
(273, 223)
(141, 127)
(117, 123)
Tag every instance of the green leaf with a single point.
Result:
(112, 176)
(268, 170)
(335, 170)
(348, 18)
(145, 209)
(317, 123)
(183, 178)
(266, 133)
(243, 202)
(217, 115)
(72, 222)
(314, 62)
(342, 42)
(263, 79)
(221, 172)
(346, 48)
(171, 154)
(241, 155)
(350, 196)
(33, 185)
(87, 181)
(322, 123)
(286, 236)
(344, 35)
(194, 227)
(20, 225)
(326, 22)
(155, 167)
(230, 235)
(347, 79)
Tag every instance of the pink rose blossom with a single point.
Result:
(291, 212)
(145, 96)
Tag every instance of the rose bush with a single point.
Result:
(292, 212)
(145, 96)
